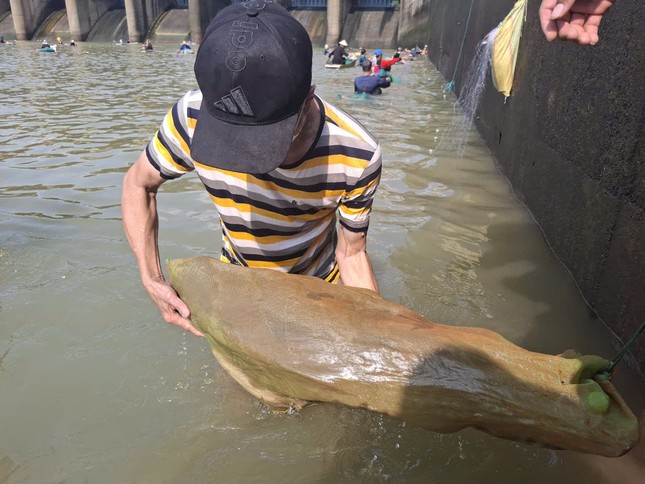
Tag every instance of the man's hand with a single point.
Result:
(172, 308)
(576, 20)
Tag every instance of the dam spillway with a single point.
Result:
(383, 23)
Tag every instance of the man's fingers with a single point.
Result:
(561, 8)
(190, 328)
(577, 31)
(563, 27)
(576, 20)
(173, 317)
(181, 308)
(548, 25)
(175, 302)
(591, 27)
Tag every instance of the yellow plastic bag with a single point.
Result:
(506, 46)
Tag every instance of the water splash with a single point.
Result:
(455, 138)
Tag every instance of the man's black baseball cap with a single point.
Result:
(254, 70)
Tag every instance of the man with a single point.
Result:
(338, 55)
(576, 20)
(386, 66)
(281, 165)
(376, 61)
(368, 83)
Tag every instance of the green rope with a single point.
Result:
(612, 364)
(450, 86)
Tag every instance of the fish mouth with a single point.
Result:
(607, 425)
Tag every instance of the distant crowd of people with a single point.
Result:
(186, 47)
(376, 70)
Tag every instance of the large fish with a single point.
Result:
(291, 340)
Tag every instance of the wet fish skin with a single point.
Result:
(291, 340)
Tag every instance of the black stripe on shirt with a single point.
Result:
(352, 229)
(286, 211)
(317, 187)
(363, 182)
(175, 158)
(260, 232)
(275, 258)
(176, 119)
(338, 149)
(157, 167)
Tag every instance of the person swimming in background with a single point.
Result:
(338, 55)
(376, 61)
(362, 57)
(369, 83)
(72, 43)
(45, 44)
(147, 46)
(386, 66)
(185, 47)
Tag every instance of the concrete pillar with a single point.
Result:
(20, 12)
(195, 20)
(334, 24)
(78, 18)
(135, 16)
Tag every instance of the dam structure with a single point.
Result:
(373, 23)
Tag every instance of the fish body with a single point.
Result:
(291, 340)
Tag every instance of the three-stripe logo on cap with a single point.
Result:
(235, 103)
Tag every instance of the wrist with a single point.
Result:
(152, 279)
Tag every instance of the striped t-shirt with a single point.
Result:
(285, 219)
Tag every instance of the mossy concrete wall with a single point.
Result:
(413, 23)
(571, 140)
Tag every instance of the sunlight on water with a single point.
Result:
(94, 387)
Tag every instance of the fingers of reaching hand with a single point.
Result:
(191, 329)
(172, 316)
(173, 309)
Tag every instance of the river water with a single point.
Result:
(95, 387)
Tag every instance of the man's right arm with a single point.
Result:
(141, 224)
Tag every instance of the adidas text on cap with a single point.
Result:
(253, 68)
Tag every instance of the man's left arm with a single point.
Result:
(353, 261)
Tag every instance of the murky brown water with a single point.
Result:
(94, 387)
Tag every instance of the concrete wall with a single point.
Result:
(6, 26)
(171, 26)
(372, 29)
(571, 140)
(29, 14)
(83, 14)
(413, 23)
(141, 15)
(315, 21)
